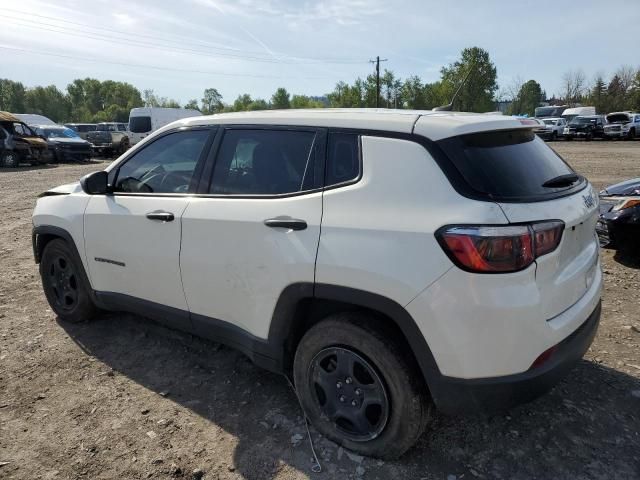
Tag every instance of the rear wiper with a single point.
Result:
(562, 180)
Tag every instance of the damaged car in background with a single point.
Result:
(619, 221)
(20, 144)
(622, 125)
(64, 144)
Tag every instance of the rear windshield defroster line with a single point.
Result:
(508, 165)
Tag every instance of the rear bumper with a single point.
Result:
(489, 395)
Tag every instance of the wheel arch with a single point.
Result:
(302, 305)
(41, 235)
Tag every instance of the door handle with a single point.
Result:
(162, 216)
(286, 222)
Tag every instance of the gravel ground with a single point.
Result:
(123, 397)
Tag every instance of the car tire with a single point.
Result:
(65, 283)
(9, 159)
(373, 402)
(554, 136)
(632, 134)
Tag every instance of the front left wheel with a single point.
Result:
(65, 284)
(358, 388)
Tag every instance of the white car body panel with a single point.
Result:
(66, 211)
(117, 230)
(378, 234)
(234, 267)
(480, 326)
(563, 275)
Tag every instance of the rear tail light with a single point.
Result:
(499, 249)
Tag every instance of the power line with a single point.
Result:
(239, 54)
(377, 62)
(146, 45)
(153, 67)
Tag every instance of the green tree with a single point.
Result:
(12, 96)
(598, 95)
(212, 101)
(634, 95)
(528, 98)
(48, 101)
(192, 104)
(616, 94)
(347, 96)
(242, 103)
(390, 90)
(258, 104)
(85, 98)
(413, 93)
(478, 92)
(303, 101)
(280, 100)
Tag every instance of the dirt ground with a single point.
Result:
(124, 398)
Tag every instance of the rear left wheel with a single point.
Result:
(358, 389)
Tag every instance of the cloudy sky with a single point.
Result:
(179, 48)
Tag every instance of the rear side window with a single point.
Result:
(343, 159)
(264, 162)
(508, 165)
(140, 124)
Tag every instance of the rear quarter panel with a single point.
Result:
(378, 234)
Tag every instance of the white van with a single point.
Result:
(145, 120)
(571, 113)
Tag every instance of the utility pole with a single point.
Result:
(377, 62)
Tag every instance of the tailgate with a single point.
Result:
(564, 275)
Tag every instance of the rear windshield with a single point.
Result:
(140, 124)
(509, 165)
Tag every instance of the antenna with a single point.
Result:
(449, 106)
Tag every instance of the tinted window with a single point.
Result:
(121, 127)
(343, 159)
(507, 164)
(264, 162)
(164, 166)
(140, 124)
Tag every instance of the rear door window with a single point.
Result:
(510, 165)
(264, 162)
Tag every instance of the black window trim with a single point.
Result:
(320, 142)
(358, 177)
(458, 183)
(197, 172)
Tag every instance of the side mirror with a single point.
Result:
(95, 183)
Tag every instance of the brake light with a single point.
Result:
(499, 249)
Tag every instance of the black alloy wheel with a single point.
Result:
(65, 283)
(62, 282)
(350, 393)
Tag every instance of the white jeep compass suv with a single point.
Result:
(386, 260)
